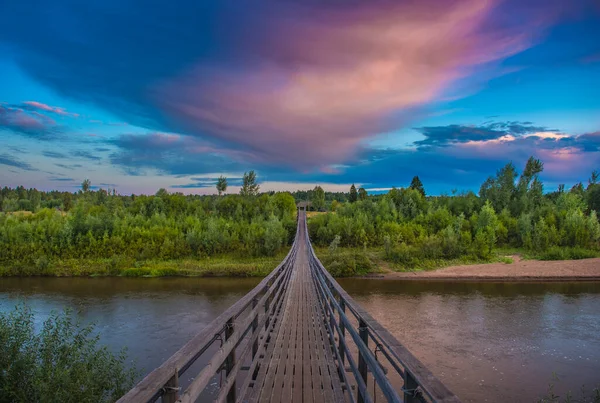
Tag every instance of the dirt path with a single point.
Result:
(519, 270)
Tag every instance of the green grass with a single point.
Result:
(218, 266)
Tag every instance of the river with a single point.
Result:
(487, 341)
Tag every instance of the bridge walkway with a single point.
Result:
(301, 366)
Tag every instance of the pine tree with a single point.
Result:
(416, 184)
(353, 194)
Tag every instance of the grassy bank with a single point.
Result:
(217, 266)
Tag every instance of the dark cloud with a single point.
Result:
(588, 142)
(102, 149)
(200, 183)
(85, 154)
(169, 154)
(443, 136)
(61, 179)
(6, 159)
(54, 154)
(70, 167)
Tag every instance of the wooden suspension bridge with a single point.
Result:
(296, 337)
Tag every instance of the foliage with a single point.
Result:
(318, 198)
(103, 227)
(362, 194)
(249, 185)
(63, 362)
(221, 185)
(512, 211)
(353, 194)
(417, 185)
(584, 395)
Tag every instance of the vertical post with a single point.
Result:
(254, 328)
(171, 389)
(230, 361)
(342, 334)
(410, 386)
(363, 332)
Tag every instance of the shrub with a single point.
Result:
(61, 363)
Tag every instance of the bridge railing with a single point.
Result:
(356, 332)
(236, 335)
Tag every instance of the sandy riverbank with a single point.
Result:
(519, 270)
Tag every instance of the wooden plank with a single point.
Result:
(307, 395)
(284, 394)
(274, 393)
(298, 353)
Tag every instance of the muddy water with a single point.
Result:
(486, 341)
(493, 341)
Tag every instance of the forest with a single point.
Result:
(99, 232)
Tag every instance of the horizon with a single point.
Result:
(138, 97)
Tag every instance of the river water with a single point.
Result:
(487, 341)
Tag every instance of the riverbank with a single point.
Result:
(217, 266)
(518, 270)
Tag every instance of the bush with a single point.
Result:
(61, 363)
(558, 253)
(348, 264)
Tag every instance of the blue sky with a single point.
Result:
(137, 96)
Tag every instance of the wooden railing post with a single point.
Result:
(171, 389)
(363, 332)
(230, 361)
(254, 329)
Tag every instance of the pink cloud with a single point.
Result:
(54, 109)
(327, 81)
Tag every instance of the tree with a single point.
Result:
(362, 194)
(578, 189)
(318, 198)
(594, 178)
(249, 186)
(85, 185)
(353, 194)
(532, 169)
(417, 185)
(162, 193)
(593, 197)
(221, 185)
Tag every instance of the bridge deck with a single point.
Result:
(299, 364)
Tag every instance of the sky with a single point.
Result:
(138, 95)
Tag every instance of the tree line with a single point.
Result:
(512, 211)
(102, 224)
